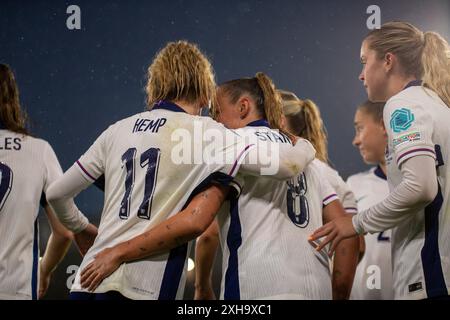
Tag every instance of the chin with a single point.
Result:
(375, 98)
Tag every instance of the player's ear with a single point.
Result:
(389, 60)
(243, 107)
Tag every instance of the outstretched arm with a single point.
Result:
(280, 161)
(205, 254)
(173, 232)
(418, 188)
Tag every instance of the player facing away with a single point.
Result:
(147, 180)
(302, 118)
(410, 70)
(373, 278)
(264, 230)
(27, 167)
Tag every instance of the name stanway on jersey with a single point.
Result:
(264, 232)
(417, 122)
(373, 278)
(144, 186)
(27, 167)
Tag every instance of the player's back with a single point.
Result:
(24, 175)
(144, 185)
(419, 125)
(264, 235)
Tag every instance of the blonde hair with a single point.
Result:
(425, 56)
(304, 119)
(12, 116)
(262, 90)
(180, 72)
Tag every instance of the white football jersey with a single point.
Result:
(373, 278)
(343, 191)
(264, 234)
(418, 123)
(27, 167)
(146, 182)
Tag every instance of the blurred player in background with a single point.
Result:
(410, 70)
(373, 279)
(302, 118)
(27, 168)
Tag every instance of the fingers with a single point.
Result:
(320, 232)
(327, 240)
(334, 244)
(86, 270)
(95, 282)
(89, 278)
(86, 274)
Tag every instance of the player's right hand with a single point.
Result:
(85, 239)
(105, 263)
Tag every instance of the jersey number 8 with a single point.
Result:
(297, 203)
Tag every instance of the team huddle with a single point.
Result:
(253, 178)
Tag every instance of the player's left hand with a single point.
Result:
(105, 263)
(335, 231)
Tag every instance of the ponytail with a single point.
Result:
(304, 119)
(272, 104)
(436, 65)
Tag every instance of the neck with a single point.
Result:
(250, 118)
(190, 108)
(383, 167)
(397, 84)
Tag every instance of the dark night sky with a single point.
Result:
(75, 83)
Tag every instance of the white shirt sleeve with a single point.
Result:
(343, 191)
(418, 188)
(92, 163)
(60, 196)
(280, 161)
(239, 150)
(409, 128)
(327, 192)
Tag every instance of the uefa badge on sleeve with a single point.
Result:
(401, 120)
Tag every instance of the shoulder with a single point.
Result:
(411, 98)
(36, 142)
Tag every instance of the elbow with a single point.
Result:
(431, 192)
(198, 224)
(64, 234)
(427, 192)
